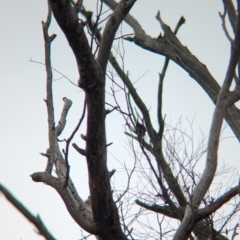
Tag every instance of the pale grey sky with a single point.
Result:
(23, 128)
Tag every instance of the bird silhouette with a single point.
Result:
(140, 129)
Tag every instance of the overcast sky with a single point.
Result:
(23, 118)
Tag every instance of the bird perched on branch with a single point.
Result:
(140, 129)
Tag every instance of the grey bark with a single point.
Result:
(102, 219)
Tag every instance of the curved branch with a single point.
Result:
(213, 142)
(230, 9)
(204, 212)
(121, 10)
(128, 19)
(219, 112)
(78, 209)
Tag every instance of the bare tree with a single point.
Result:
(178, 191)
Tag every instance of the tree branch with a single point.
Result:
(165, 209)
(49, 98)
(230, 9)
(77, 208)
(205, 212)
(213, 143)
(35, 220)
(62, 122)
(110, 29)
(161, 79)
(67, 18)
(171, 180)
(92, 80)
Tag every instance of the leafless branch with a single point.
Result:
(36, 220)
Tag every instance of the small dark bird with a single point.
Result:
(140, 129)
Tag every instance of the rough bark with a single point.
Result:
(102, 219)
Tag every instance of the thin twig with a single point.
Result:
(33, 61)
